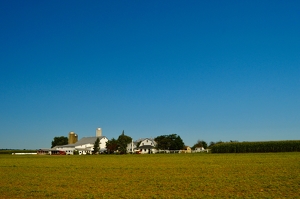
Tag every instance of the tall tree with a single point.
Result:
(112, 145)
(57, 141)
(123, 140)
(96, 146)
(177, 143)
(162, 142)
(213, 143)
(200, 143)
(170, 142)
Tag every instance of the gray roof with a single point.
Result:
(55, 147)
(85, 140)
(43, 149)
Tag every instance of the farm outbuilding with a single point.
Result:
(84, 146)
(187, 149)
(53, 151)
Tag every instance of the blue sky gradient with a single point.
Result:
(209, 70)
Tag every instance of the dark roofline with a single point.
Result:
(146, 147)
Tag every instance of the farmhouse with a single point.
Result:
(143, 146)
(147, 145)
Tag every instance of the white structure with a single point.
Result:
(85, 145)
(24, 153)
(132, 147)
(200, 149)
(147, 145)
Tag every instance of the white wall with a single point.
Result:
(102, 144)
(85, 148)
(68, 150)
(147, 142)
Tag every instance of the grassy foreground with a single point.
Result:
(268, 175)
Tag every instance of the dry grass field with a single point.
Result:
(267, 175)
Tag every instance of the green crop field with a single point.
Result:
(259, 175)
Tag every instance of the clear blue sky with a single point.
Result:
(209, 70)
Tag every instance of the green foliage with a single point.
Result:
(177, 143)
(200, 143)
(96, 146)
(57, 141)
(162, 142)
(213, 143)
(112, 145)
(169, 142)
(123, 140)
(256, 147)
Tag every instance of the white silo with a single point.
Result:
(98, 132)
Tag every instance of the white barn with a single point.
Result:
(84, 146)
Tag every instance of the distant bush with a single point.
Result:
(256, 147)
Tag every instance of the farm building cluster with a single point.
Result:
(86, 146)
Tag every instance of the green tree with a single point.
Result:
(96, 146)
(123, 141)
(200, 143)
(176, 143)
(112, 145)
(57, 141)
(169, 142)
(214, 143)
(162, 142)
(211, 144)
